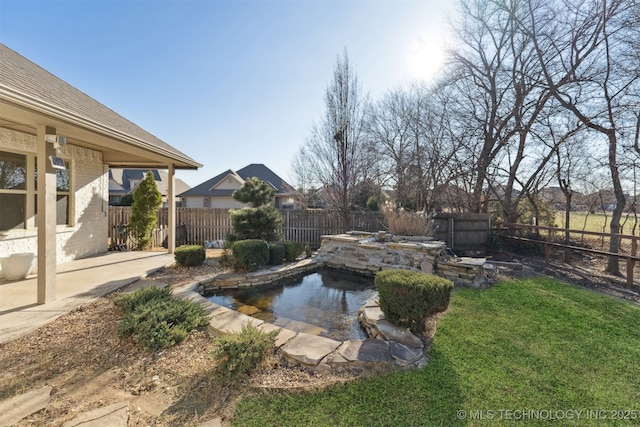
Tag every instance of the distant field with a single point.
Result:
(598, 222)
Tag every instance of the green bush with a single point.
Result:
(157, 320)
(276, 254)
(239, 353)
(250, 254)
(408, 297)
(292, 250)
(130, 302)
(190, 255)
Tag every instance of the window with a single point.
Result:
(16, 189)
(13, 190)
(63, 194)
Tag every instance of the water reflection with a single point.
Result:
(324, 303)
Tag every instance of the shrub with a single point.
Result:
(146, 201)
(239, 353)
(130, 302)
(250, 254)
(408, 297)
(157, 320)
(276, 254)
(292, 250)
(190, 255)
(260, 221)
(405, 223)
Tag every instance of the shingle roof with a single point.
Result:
(122, 178)
(204, 189)
(257, 170)
(25, 83)
(265, 174)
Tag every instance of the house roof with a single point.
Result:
(124, 177)
(28, 93)
(265, 174)
(257, 170)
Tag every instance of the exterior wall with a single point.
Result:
(229, 183)
(285, 202)
(215, 202)
(87, 234)
(226, 203)
(193, 202)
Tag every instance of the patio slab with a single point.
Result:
(77, 282)
(21, 406)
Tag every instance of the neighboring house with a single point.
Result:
(217, 192)
(125, 181)
(71, 140)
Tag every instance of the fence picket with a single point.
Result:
(469, 232)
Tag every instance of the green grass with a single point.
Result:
(596, 222)
(528, 345)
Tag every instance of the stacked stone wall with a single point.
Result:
(368, 256)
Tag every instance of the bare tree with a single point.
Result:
(582, 48)
(337, 150)
(501, 96)
(388, 130)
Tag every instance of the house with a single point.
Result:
(56, 147)
(217, 192)
(125, 181)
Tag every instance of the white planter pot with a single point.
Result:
(17, 266)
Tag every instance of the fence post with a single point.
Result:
(547, 253)
(452, 230)
(631, 262)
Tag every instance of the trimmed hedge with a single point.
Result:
(276, 254)
(409, 297)
(292, 250)
(190, 255)
(250, 254)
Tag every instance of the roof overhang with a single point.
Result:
(23, 113)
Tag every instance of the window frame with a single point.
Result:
(30, 192)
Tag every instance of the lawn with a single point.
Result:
(526, 352)
(597, 222)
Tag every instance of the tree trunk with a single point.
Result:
(613, 266)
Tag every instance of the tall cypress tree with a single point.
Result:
(146, 201)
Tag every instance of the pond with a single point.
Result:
(324, 303)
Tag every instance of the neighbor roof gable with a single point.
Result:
(265, 174)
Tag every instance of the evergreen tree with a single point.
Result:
(146, 201)
(260, 221)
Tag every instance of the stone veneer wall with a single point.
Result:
(366, 255)
(87, 235)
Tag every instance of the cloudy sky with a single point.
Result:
(226, 82)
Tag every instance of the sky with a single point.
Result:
(228, 83)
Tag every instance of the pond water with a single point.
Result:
(324, 303)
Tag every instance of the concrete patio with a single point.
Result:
(77, 282)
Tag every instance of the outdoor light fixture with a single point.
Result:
(57, 140)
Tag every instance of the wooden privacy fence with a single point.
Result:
(464, 232)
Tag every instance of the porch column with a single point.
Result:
(46, 222)
(171, 209)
